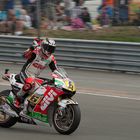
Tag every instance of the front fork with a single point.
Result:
(61, 105)
(64, 102)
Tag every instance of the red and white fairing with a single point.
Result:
(50, 94)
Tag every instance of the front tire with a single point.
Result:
(6, 121)
(68, 122)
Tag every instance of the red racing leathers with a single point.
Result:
(34, 65)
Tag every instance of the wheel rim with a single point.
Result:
(3, 116)
(64, 119)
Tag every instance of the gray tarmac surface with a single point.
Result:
(110, 109)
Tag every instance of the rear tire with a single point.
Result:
(7, 121)
(68, 123)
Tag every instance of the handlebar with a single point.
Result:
(5, 75)
(47, 81)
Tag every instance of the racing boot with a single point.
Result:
(24, 112)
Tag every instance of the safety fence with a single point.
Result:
(103, 55)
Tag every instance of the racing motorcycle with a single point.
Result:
(51, 103)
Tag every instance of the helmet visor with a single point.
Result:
(49, 49)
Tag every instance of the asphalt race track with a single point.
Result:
(109, 103)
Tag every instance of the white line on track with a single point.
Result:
(111, 96)
(4, 84)
(97, 94)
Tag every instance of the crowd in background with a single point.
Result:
(13, 20)
(55, 14)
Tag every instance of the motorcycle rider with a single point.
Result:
(40, 55)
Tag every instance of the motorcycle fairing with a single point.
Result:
(38, 116)
(50, 96)
(65, 83)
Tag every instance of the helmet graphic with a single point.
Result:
(35, 42)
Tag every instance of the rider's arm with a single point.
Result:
(23, 74)
(29, 61)
(27, 54)
(53, 65)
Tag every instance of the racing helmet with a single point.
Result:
(48, 46)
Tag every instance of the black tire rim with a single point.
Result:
(65, 120)
(3, 116)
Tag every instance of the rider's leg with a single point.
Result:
(25, 109)
(28, 86)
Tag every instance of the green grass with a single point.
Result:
(120, 33)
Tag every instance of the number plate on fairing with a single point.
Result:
(37, 96)
(34, 99)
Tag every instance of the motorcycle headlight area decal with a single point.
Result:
(70, 85)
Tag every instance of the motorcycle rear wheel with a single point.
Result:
(6, 121)
(68, 122)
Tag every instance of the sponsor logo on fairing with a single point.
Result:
(48, 99)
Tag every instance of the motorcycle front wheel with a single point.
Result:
(6, 120)
(66, 121)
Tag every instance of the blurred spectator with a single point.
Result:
(13, 25)
(86, 18)
(123, 13)
(77, 23)
(68, 10)
(8, 4)
(109, 11)
(43, 7)
(76, 11)
(78, 2)
(139, 17)
(60, 17)
(3, 15)
(3, 18)
(33, 13)
(51, 14)
(1, 4)
(11, 22)
(103, 15)
(26, 19)
(116, 19)
(25, 4)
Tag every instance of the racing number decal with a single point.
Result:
(34, 99)
(70, 85)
